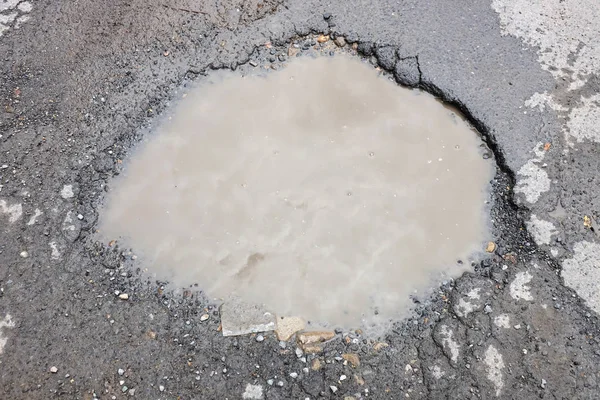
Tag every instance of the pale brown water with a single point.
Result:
(322, 190)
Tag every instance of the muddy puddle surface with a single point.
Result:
(321, 190)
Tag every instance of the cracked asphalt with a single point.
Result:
(83, 82)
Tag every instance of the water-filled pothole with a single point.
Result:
(321, 190)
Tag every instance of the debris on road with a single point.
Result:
(491, 247)
(288, 326)
(240, 318)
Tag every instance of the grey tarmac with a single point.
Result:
(82, 82)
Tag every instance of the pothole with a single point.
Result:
(321, 190)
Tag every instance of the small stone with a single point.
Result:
(253, 63)
(124, 296)
(260, 338)
(343, 378)
(352, 359)
(79, 216)
(322, 38)
(326, 15)
(161, 388)
(312, 337)
(487, 309)
(204, 317)
(517, 327)
(131, 392)
(121, 371)
(280, 383)
(288, 326)
(312, 348)
(53, 369)
(24, 254)
(124, 389)
(379, 345)
(270, 382)
(524, 351)
(294, 375)
(316, 364)
(491, 247)
(282, 344)
(340, 41)
(543, 384)
(333, 389)
(299, 352)
(359, 380)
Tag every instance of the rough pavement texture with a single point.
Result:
(82, 82)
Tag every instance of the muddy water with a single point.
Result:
(322, 190)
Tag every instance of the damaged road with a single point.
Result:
(82, 83)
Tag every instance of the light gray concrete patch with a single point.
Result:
(532, 178)
(6, 322)
(519, 288)
(495, 364)
(582, 272)
(560, 29)
(14, 211)
(253, 392)
(583, 121)
(67, 192)
(542, 231)
(36, 214)
(502, 321)
(449, 343)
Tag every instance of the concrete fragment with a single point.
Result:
(287, 326)
(240, 318)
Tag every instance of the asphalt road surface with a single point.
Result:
(81, 82)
